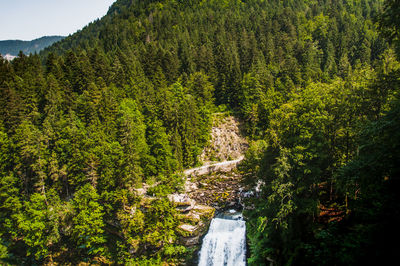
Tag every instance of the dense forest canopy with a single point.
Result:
(128, 100)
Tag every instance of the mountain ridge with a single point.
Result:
(13, 47)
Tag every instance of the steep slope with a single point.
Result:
(218, 183)
(126, 104)
(227, 39)
(214, 186)
(227, 142)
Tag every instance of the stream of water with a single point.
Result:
(225, 242)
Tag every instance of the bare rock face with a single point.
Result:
(219, 190)
(194, 219)
(226, 143)
(215, 185)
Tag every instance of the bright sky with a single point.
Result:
(31, 19)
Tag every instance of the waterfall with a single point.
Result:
(225, 242)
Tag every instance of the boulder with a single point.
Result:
(194, 224)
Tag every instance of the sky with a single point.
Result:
(31, 19)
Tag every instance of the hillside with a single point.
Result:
(13, 47)
(98, 130)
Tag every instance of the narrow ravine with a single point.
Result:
(225, 242)
(214, 188)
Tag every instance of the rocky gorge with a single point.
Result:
(213, 187)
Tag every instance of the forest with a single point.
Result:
(128, 100)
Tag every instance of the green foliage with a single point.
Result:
(129, 99)
(38, 223)
(388, 22)
(167, 185)
(132, 137)
(88, 224)
(308, 138)
(3, 251)
(162, 161)
(327, 170)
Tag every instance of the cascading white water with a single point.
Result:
(225, 243)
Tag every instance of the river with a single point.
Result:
(225, 242)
